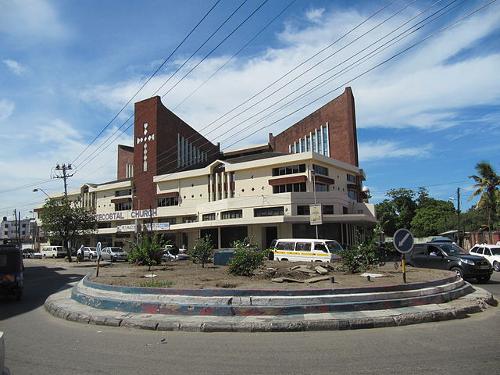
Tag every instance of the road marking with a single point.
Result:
(404, 239)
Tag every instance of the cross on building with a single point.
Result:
(145, 139)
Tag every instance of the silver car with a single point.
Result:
(113, 254)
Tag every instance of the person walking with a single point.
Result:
(79, 254)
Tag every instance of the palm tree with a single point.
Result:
(486, 187)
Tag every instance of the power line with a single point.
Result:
(218, 45)
(236, 54)
(148, 79)
(90, 158)
(286, 74)
(234, 128)
(369, 70)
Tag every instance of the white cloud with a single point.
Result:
(15, 67)
(30, 19)
(315, 14)
(413, 91)
(6, 109)
(384, 149)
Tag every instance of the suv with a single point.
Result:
(490, 252)
(451, 257)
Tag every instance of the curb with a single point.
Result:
(62, 306)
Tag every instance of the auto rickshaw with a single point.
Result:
(11, 271)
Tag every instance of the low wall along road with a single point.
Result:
(267, 310)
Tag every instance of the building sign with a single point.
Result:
(132, 227)
(127, 215)
(315, 214)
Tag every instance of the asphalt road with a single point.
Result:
(38, 343)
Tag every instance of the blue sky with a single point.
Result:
(424, 118)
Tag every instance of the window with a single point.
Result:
(104, 225)
(6, 233)
(302, 145)
(121, 193)
(170, 220)
(487, 252)
(269, 211)
(351, 178)
(353, 194)
(208, 217)
(290, 169)
(320, 247)
(292, 149)
(129, 170)
(189, 219)
(313, 141)
(308, 143)
(321, 187)
(24, 225)
(324, 136)
(303, 246)
(318, 169)
(123, 206)
(285, 246)
(168, 201)
(327, 209)
(233, 214)
(302, 210)
(473, 250)
(480, 251)
(345, 211)
(290, 188)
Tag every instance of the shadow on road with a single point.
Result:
(39, 283)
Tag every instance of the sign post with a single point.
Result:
(98, 251)
(403, 242)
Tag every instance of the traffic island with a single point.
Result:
(263, 310)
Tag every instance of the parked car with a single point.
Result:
(113, 254)
(170, 252)
(89, 253)
(441, 239)
(53, 252)
(490, 252)
(448, 256)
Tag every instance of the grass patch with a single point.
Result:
(157, 283)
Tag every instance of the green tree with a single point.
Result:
(486, 187)
(147, 251)
(433, 217)
(66, 221)
(202, 251)
(398, 211)
(247, 258)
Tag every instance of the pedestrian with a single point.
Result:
(79, 255)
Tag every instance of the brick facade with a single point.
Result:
(125, 156)
(160, 135)
(340, 116)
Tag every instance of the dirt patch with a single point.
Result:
(186, 275)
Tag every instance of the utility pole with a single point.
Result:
(15, 226)
(65, 175)
(458, 219)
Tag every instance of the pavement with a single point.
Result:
(38, 343)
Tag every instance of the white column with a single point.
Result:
(210, 187)
(217, 181)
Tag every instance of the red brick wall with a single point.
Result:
(340, 115)
(162, 151)
(125, 156)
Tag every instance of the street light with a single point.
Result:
(313, 173)
(40, 189)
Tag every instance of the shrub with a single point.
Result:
(157, 283)
(148, 251)
(359, 258)
(247, 258)
(202, 251)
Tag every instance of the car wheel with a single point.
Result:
(483, 279)
(496, 266)
(458, 271)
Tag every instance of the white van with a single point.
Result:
(53, 252)
(306, 250)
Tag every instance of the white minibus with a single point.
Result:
(306, 250)
(53, 252)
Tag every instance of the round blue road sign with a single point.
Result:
(403, 240)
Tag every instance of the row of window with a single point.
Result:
(188, 154)
(121, 193)
(166, 202)
(290, 188)
(289, 169)
(317, 141)
(238, 214)
(326, 209)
